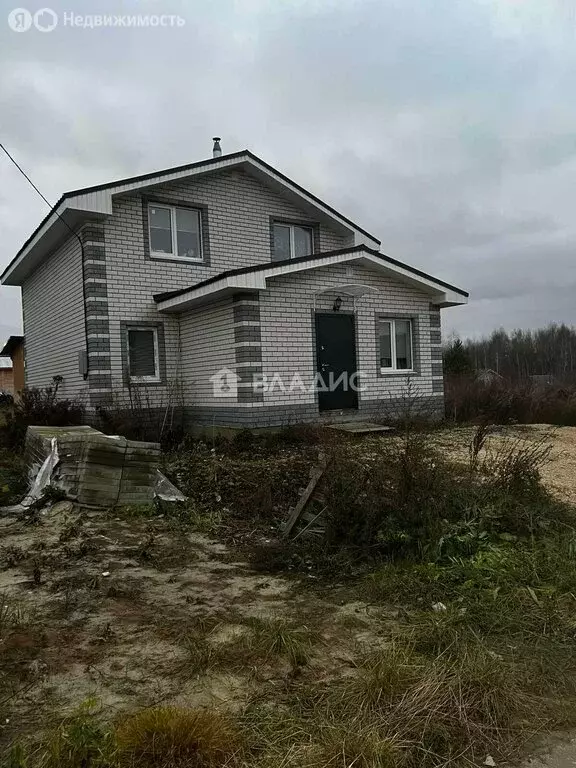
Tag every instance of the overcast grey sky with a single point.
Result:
(445, 127)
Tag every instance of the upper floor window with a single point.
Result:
(175, 232)
(395, 345)
(292, 241)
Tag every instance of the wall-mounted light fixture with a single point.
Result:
(337, 304)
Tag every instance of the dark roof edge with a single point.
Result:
(213, 161)
(159, 297)
(10, 346)
(189, 166)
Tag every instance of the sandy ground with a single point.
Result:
(559, 472)
(119, 610)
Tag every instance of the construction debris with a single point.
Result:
(94, 469)
(299, 512)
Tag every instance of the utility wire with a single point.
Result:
(76, 235)
(23, 172)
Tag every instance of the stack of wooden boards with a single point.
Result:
(97, 469)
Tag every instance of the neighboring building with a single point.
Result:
(14, 349)
(229, 287)
(6, 376)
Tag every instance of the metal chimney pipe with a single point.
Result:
(216, 149)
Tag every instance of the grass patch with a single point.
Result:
(278, 637)
(159, 737)
(173, 737)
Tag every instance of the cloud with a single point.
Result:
(443, 126)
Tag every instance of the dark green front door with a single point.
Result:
(336, 361)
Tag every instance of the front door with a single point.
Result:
(336, 361)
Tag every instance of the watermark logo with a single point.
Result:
(20, 20)
(225, 383)
(46, 20)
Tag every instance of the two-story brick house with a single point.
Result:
(229, 284)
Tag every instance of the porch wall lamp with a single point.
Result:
(337, 304)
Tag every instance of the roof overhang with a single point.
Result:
(94, 202)
(11, 346)
(256, 279)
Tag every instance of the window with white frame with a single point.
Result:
(292, 241)
(175, 232)
(395, 347)
(143, 355)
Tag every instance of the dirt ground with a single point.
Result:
(134, 612)
(130, 611)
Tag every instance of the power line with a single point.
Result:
(23, 172)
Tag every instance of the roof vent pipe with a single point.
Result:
(216, 149)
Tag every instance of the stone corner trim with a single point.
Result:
(96, 311)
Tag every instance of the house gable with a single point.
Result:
(97, 202)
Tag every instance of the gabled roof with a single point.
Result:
(90, 202)
(255, 277)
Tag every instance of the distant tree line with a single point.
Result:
(549, 351)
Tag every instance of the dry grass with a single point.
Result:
(278, 637)
(173, 737)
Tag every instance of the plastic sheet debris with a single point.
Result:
(166, 490)
(44, 476)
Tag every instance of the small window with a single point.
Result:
(143, 359)
(395, 345)
(292, 241)
(175, 232)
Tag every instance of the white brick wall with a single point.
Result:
(52, 305)
(207, 337)
(286, 317)
(239, 210)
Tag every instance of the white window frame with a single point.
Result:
(392, 321)
(174, 233)
(291, 228)
(144, 379)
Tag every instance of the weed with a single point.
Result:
(478, 444)
(145, 549)
(12, 555)
(12, 615)
(278, 637)
(37, 566)
(201, 654)
(40, 407)
(381, 676)
(173, 737)
(341, 745)
(78, 741)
